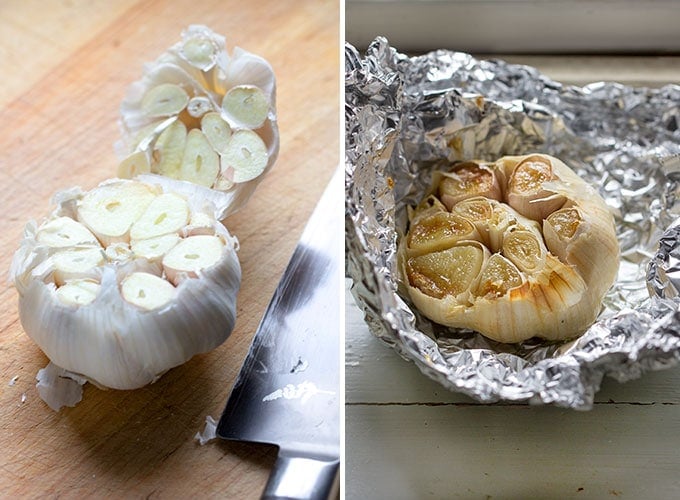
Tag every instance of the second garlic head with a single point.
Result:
(518, 248)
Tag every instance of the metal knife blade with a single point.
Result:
(288, 390)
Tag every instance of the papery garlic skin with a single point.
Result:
(201, 115)
(110, 340)
(548, 248)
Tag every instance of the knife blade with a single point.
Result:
(288, 390)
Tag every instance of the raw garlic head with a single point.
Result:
(203, 116)
(123, 282)
(514, 249)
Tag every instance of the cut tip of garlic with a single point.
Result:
(246, 105)
(549, 255)
(111, 298)
(164, 100)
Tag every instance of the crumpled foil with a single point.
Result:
(403, 114)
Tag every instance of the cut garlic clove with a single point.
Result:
(447, 272)
(110, 209)
(163, 100)
(199, 48)
(199, 106)
(526, 188)
(80, 292)
(525, 250)
(438, 232)
(134, 165)
(217, 131)
(246, 105)
(147, 291)
(169, 150)
(200, 164)
(467, 180)
(65, 232)
(191, 256)
(245, 155)
(76, 263)
(167, 213)
(499, 276)
(154, 249)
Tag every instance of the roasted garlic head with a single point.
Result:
(203, 116)
(514, 249)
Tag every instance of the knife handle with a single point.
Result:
(298, 478)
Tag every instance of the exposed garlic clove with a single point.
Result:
(110, 209)
(527, 192)
(199, 106)
(200, 164)
(65, 232)
(154, 249)
(199, 48)
(134, 165)
(167, 213)
(165, 99)
(246, 155)
(216, 130)
(542, 277)
(76, 263)
(79, 292)
(437, 232)
(191, 256)
(467, 180)
(246, 105)
(147, 291)
(169, 150)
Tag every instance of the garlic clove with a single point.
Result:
(110, 209)
(200, 164)
(245, 155)
(78, 292)
(163, 100)
(467, 180)
(246, 105)
(135, 164)
(76, 263)
(527, 192)
(216, 130)
(167, 213)
(147, 291)
(154, 249)
(191, 256)
(65, 232)
(168, 150)
(438, 232)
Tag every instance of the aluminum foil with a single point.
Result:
(404, 114)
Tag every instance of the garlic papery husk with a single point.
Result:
(121, 322)
(202, 116)
(514, 249)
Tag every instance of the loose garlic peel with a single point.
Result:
(200, 115)
(514, 249)
(101, 297)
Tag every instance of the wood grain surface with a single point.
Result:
(66, 65)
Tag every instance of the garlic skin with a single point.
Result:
(202, 116)
(110, 340)
(524, 249)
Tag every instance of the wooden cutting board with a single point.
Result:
(66, 66)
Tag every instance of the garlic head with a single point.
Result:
(201, 115)
(514, 249)
(123, 282)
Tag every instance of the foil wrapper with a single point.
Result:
(405, 114)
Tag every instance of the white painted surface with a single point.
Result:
(407, 437)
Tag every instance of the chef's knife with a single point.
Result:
(288, 390)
